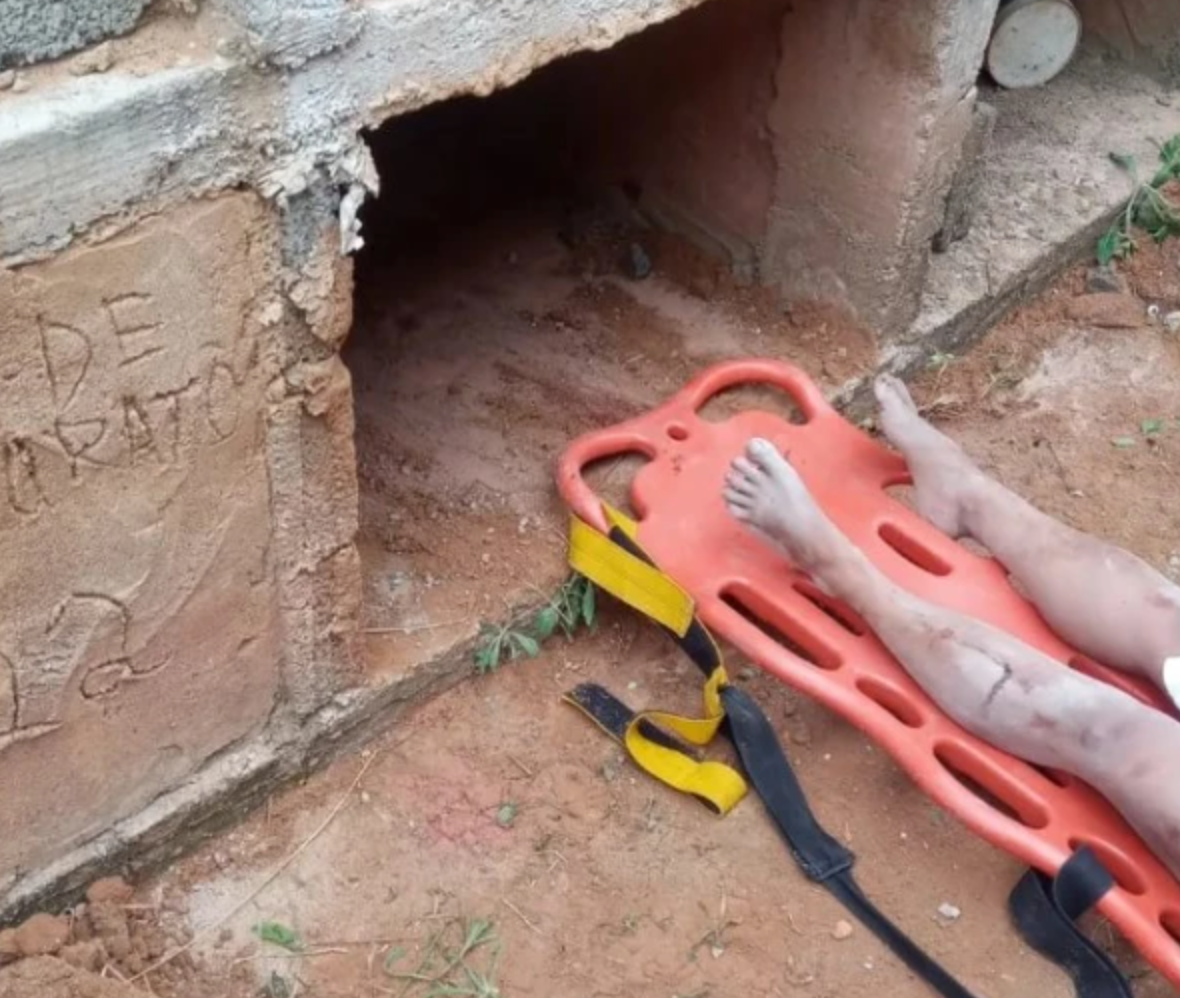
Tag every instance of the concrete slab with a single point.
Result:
(140, 633)
(1048, 190)
(115, 142)
(293, 32)
(35, 30)
(120, 140)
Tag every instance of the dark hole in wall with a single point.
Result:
(673, 118)
(501, 309)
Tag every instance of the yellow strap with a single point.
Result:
(645, 588)
(617, 518)
(628, 578)
(720, 785)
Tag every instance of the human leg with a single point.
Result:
(1103, 600)
(994, 685)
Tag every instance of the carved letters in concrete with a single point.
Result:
(123, 369)
(138, 617)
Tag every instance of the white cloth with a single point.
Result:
(1172, 679)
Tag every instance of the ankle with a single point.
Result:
(973, 502)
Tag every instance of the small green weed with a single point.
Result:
(458, 961)
(716, 939)
(1150, 429)
(939, 361)
(1147, 208)
(498, 643)
(574, 605)
(279, 935)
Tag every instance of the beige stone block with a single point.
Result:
(138, 633)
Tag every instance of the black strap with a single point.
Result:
(615, 717)
(697, 643)
(822, 858)
(819, 855)
(1046, 911)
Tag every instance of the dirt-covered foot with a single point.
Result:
(945, 478)
(765, 493)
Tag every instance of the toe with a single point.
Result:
(761, 452)
(744, 468)
(736, 497)
(741, 482)
(771, 462)
(742, 513)
(892, 392)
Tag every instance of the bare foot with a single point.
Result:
(945, 478)
(765, 493)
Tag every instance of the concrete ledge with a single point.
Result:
(429, 50)
(412, 54)
(1048, 191)
(118, 141)
(230, 786)
(94, 147)
(173, 824)
(295, 31)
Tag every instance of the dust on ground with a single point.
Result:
(1074, 402)
(496, 815)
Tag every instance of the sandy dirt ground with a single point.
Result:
(497, 812)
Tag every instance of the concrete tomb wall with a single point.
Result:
(140, 631)
(179, 581)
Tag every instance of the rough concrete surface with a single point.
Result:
(862, 173)
(962, 198)
(140, 632)
(1047, 190)
(116, 142)
(125, 142)
(34, 30)
(291, 33)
